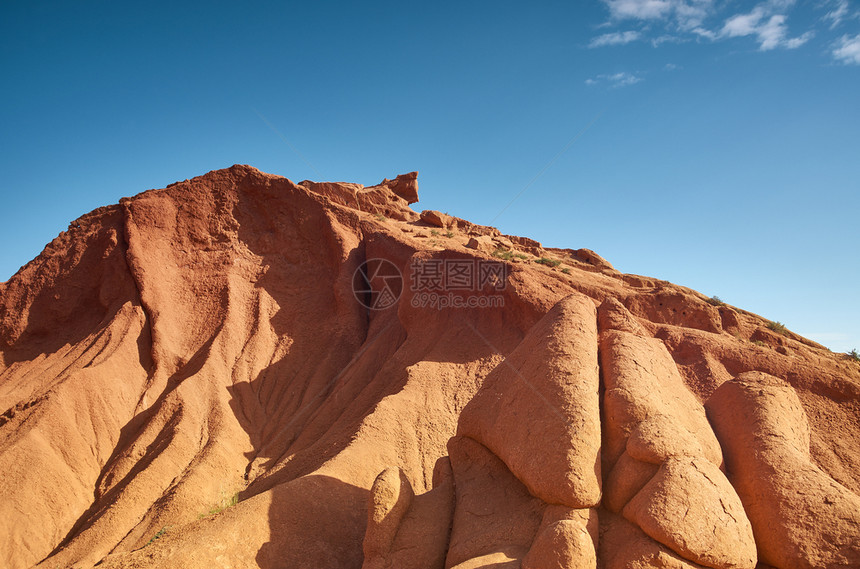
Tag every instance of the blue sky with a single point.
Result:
(712, 144)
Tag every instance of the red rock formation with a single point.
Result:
(192, 378)
(545, 396)
(801, 517)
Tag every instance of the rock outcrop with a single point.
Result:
(241, 371)
(802, 517)
(665, 476)
(544, 395)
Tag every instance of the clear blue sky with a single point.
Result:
(723, 151)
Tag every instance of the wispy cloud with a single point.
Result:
(639, 9)
(615, 38)
(682, 16)
(691, 15)
(794, 43)
(743, 24)
(837, 13)
(686, 14)
(667, 38)
(615, 80)
(685, 20)
(847, 50)
(705, 33)
(766, 22)
(770, 30)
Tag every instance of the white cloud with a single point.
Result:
(743, 24)
(771, 32)
(847, 49)
(837, 14)
(690, 15)
(658, 41)
(639, 9)
(678, 21)
(615, 38)
(794, 43)
(622, 79)
(707, 34)
(686, 14)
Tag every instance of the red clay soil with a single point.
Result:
(192, 378)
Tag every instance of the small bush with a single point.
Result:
(158, 535)
(226, 502)
(548, 262)
(716, 301)
(777, 327)
(449, 234)
(503, 254)
(507, 255)
(379, 216)
(854, 355)
(565, 271)
(434, 232)
(759, 343)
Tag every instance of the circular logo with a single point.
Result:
(377, 284)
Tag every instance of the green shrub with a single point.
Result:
(506, 255)
(758, 343)
(565, 271)
(158, 535)
(503, 254)
(548, 262)
(716, 301)
(449, 234)
(777, 327)
(226, 502)
(854, 355)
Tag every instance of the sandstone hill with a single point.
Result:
(240, 371)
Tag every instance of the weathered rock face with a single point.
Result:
(665, 477)
(771, 468)
(545, 396)
(210, 375)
